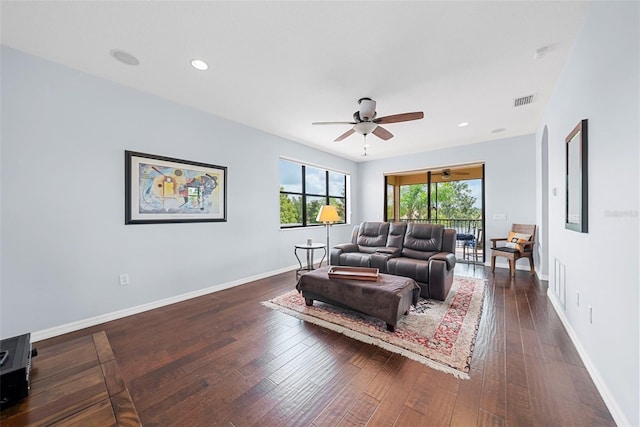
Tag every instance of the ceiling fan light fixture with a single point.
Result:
(365, 128)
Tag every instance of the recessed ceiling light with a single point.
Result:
(463, 124)
(199, 64)
(124, 57)
(498, 130)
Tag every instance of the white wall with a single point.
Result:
(601, 83)
(510, 184)
(64, 242)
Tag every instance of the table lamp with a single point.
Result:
(328, 215)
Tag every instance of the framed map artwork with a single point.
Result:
(163, 190)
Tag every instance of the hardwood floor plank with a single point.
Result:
(360, 412)
(124, 410)
(393, 401)
(518, 409)
(487, 419)
(97, 415)
(588, 394)
(323, 397)
(516, 372)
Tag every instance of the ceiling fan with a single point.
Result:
(365, 121)
(448, 173)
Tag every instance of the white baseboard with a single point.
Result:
(609, 400)
(92, 321)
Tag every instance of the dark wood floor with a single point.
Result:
(224, 359)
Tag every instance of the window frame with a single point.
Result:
(327, 196)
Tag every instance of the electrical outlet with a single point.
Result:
(578, 298)
(590, 312)
(124, 279)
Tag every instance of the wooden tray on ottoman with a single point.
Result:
(353, 273)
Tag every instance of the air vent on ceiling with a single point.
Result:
(523, 100)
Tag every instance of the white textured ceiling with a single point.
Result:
(279, 66)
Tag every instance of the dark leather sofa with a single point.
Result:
(423, 252)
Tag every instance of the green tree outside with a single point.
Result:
(454, 201)
(290, 211)
(413, 201)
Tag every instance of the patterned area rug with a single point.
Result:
(439, 334)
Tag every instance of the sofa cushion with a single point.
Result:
(417, 269)
(355, 259)
(397, 230)
(422, 241)
(372, 234)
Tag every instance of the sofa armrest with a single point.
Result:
(447, 257)
(346, 247)
(337, 250)
(497, 239)
(388, 250)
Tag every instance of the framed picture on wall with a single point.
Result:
(163, 190)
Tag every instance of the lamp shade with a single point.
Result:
(328, 214)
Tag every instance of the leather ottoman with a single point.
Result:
(388, 298)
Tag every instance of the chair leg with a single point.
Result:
(512, 267)
(533, 269)
(493, 263)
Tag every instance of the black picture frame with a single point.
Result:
(577, 182)
(161, 189)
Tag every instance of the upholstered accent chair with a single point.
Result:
(519, 244)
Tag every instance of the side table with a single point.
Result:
(310, 249)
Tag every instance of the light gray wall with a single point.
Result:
(510, 184)
(64, 242)
(600, 83)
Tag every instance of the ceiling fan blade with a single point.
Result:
(404, 117)
(382, 133)
(344, 135)
(333, 123)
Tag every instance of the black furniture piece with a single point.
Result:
(15, 353)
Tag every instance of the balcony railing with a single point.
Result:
(462, 226)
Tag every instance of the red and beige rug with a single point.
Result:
(439, 334)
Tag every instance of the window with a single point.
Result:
(304, 189)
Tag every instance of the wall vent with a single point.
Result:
(523, 100)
